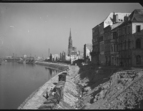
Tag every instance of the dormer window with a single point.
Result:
(138, 28)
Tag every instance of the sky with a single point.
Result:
(34, 28)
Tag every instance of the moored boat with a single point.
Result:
(30, 60)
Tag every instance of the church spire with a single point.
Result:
(70, 44)
(70, 32)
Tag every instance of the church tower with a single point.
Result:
(70, 45)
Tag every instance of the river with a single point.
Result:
(18, 81)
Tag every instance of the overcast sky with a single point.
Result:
(33, 28)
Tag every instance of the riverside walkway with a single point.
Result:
(70, 91)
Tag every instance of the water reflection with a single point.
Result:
(18, 81)
(50, 70)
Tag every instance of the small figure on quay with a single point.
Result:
(46, 95)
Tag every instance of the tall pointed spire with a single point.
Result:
(70, 32)
(70, 44)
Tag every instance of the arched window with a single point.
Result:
(138, 43)
(138, 59)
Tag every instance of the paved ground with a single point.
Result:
(36, 99)
(70, 95)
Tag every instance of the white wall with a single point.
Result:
(134, 27)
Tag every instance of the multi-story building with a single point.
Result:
(113, 44)
(99, 49)
(137, 51)
(87, 50)
(62, 56)
(54, 57)
(130, 40)
(101, 44)
(95, 45)
(81, 55)
(107, 37)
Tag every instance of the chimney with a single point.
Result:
(114, 18)
(125, 18)
(117, 19)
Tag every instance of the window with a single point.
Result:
(128, 44)
(125, 45)
(111, 48)
(124, 30)
(138, 28)
(128, 29)
(117, 47)
(114, 35)
(138, 43)
(138, 59)
(121, 46)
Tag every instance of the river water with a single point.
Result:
(18, 81)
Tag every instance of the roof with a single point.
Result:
(95, 27)
(109, 18)
(116, 25)
(136, 15)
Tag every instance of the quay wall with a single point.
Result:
(36, 99)
(56, 66)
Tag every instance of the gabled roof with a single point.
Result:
(136, 15)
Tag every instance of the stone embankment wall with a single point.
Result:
(36, 98)
(71, 94)
(57, 66)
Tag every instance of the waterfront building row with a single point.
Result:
(118, 40)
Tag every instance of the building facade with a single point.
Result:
(87, 50)
(114, 55)
(130, 40)
(63, 56)
(102, 39)
(106, 38)
(95, 45)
